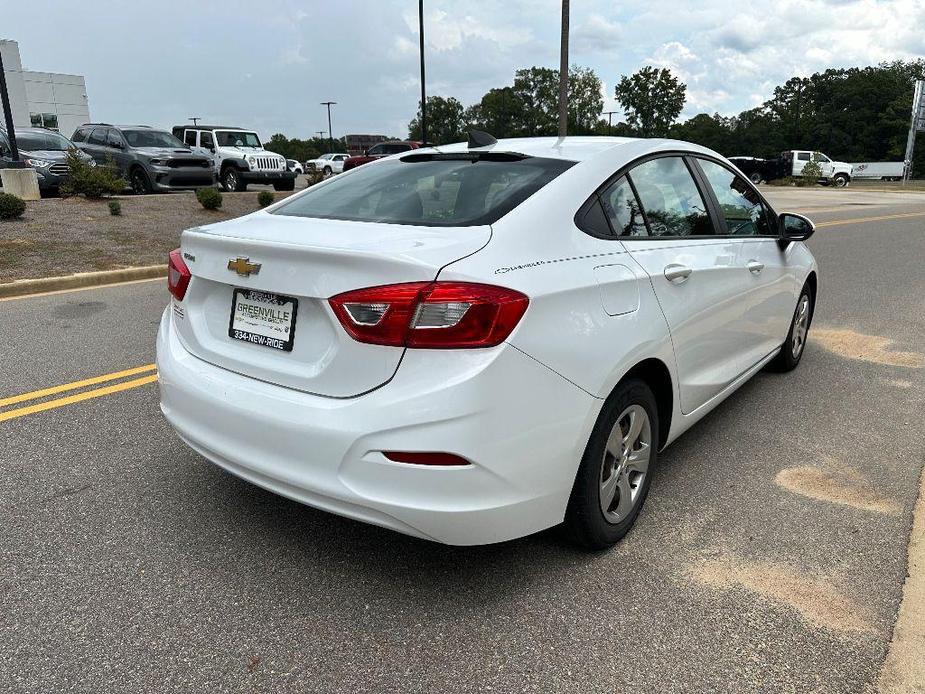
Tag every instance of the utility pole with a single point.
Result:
(609, 115)
(563, 73)
(423, 93)
(329, 104)
(918, 123)
(8, 113)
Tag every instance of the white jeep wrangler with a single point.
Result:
(238, 155)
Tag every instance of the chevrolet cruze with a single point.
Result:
(475, 342)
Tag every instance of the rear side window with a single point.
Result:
(803, 156)
(743, 212)
(190, 138)
(429, 190)
(623, 209)
(669, 196)
(98, 136)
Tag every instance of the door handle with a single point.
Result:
(754, 266)
(677, 273)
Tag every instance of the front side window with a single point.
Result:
(151, 138)
(743, 212)
(673, 205)
(81, 134)
(623, 210)
(205, 140)
(237, 138)
(819, 156)
(429, 190)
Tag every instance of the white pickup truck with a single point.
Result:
(838, 173)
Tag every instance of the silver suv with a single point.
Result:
(150, 159)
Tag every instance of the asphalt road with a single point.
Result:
(770, 555)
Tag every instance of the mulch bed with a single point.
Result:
(57, 236)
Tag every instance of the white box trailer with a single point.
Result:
(879, 170)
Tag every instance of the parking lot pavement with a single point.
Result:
(770, 555)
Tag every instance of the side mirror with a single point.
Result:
(795, 227)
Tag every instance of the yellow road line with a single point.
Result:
(80, 289)
(35, 394)
(861, 220)
(70, 399)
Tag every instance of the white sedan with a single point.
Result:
(327, 164)
(474, 343)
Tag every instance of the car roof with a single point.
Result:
(200, 126)
(573, 148)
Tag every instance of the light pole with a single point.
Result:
(609, 115)
(563, 73)
(195, 120)
(423, 95)
(329, 104)
(10, 130)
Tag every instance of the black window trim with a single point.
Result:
(699, 181)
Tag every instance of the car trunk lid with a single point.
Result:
(307, 261)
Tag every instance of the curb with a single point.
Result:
(81, 279)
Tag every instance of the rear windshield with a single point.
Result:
(462, 190)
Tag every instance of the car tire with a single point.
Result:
(791, 352)
(327, 172)
(840, 180)
(231, 180)
(756, 178)
(616, 469)
(284, 185)
(141, 184)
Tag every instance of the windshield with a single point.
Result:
(151, 138)
(34, 142)
(429, 190)
(237, 138)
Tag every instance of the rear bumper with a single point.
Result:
(523, 427)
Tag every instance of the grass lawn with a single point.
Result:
(57, 236)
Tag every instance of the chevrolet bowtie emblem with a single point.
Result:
(244, 266)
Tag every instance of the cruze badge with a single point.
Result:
(244, 266)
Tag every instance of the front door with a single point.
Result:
(768, 296)
(695, 273)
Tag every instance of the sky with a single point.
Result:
(266, 65)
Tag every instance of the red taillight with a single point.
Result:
(178, 275)
(426, 458)
(433, 315)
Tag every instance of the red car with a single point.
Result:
(383, 149)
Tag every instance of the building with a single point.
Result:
(43, 99)
(358, 144)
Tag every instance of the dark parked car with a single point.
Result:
(150, 159)
(383, 149)
(43, 150)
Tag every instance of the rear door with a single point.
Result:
(695, 273)
(769, 293)
(96, 144)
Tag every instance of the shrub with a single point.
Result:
(209, 198)
(89, 180)
(115, 208)
(11, 207)
(812, 172)
(264, 198)
(313, 177)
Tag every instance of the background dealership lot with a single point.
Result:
(131, 561)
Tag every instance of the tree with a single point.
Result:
(537, 91)
(652, 99)
(585, 101)
(445, 121)
(499, 112)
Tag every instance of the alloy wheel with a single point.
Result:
(800, 327)
(139, 184)
(625, 463)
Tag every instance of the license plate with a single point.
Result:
(263, 319)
